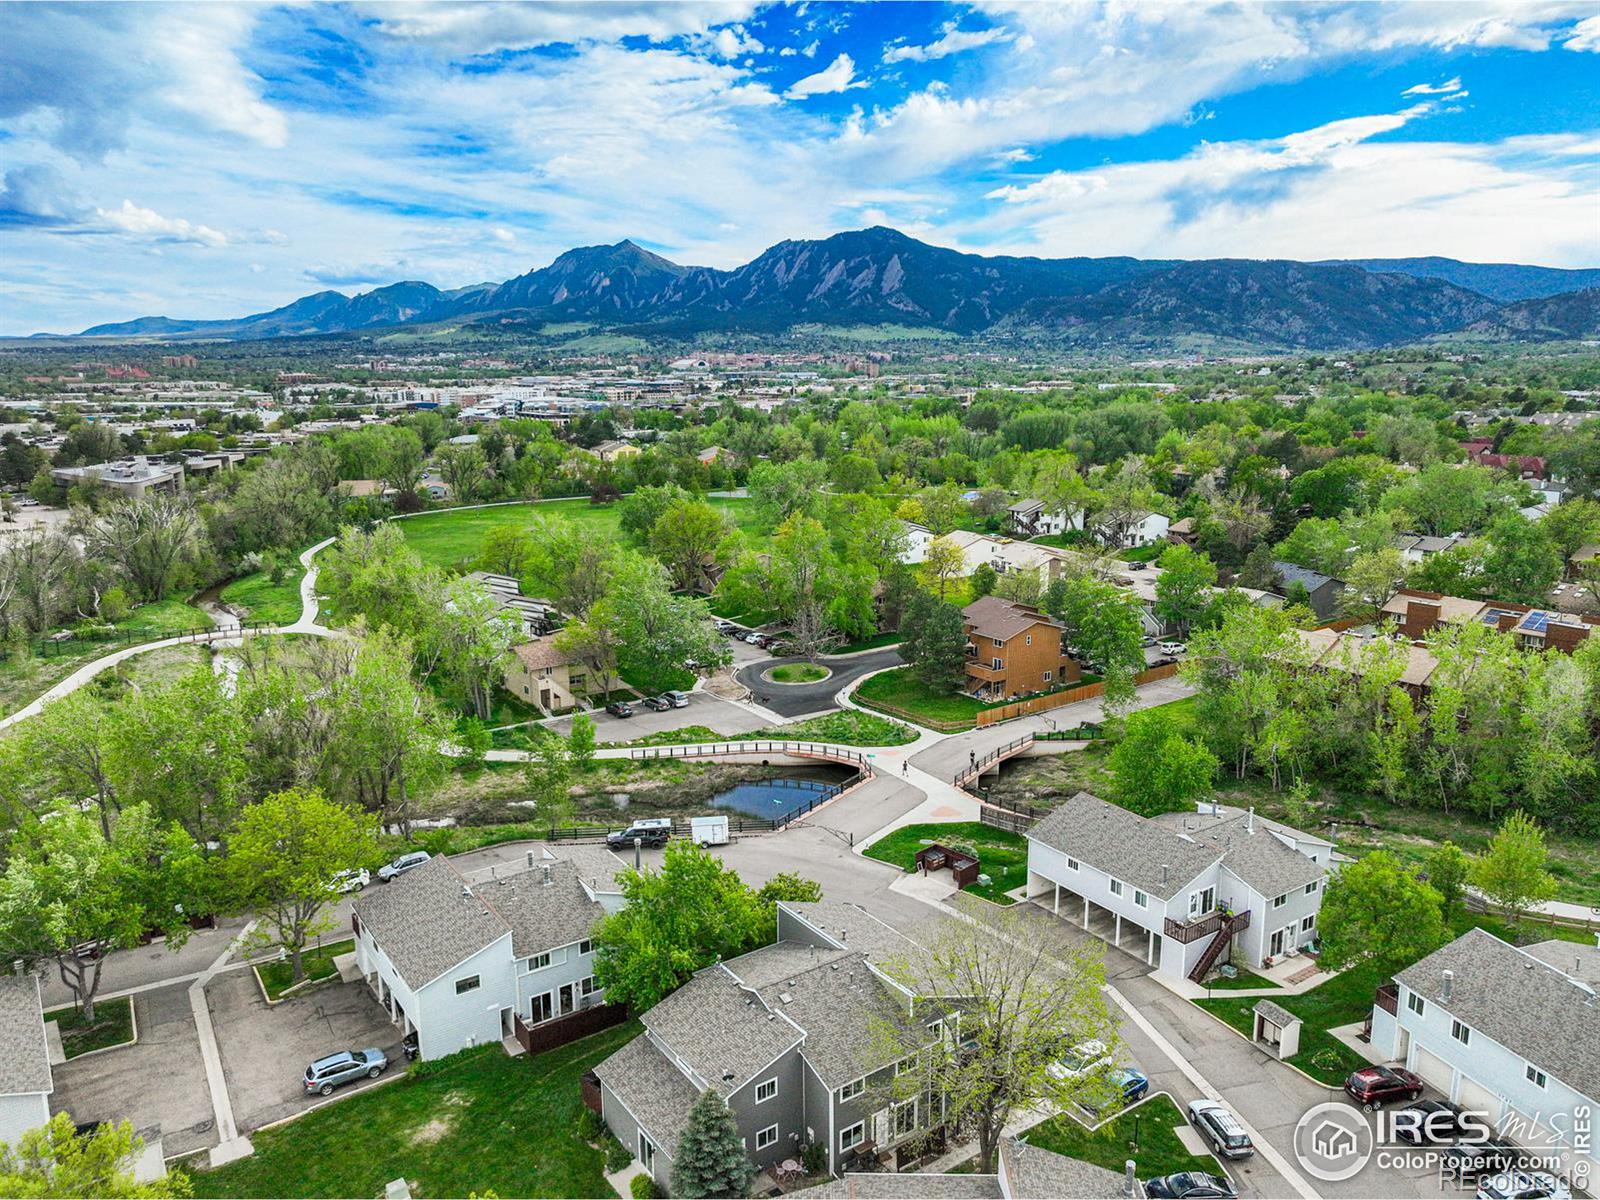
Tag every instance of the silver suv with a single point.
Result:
(328, 1073)
(406, 862)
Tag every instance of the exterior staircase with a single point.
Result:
(1226, 928)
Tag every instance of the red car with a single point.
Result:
(1373, 1087)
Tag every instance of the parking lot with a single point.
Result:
(266, 1048)
(703, 709)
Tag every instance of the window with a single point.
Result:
(936, 1028)
(997, 664)
(1306, 923)
(469, 984)
(1072, 864)
(1535, 1076)
(1280, 901)
(905, 1119)
(1311, 888)
(851, 1090)
(1116, 887)
(766, 1137)
(1140, 900)
(1048, 675)
(586, 947)
(540, 1009)
(586, 985)
(853, 1136)
(1460, 1032)
(766, 1090)
(1416, 1003)
(906, 1065)
(539, 961)
(1028, 641)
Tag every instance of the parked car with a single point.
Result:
(1428, 1123)
(726, 626)
(758, 639)
(652, 831)
(1138, 566)
(620, 708)
(676, 699)
(1173, 648)
(1122, 1087)
(351, 881)
(328, 1073)
(656, 703)
(1080, 1060)
(1373, 1087)
(1187, 1183)
(1523, 1185)
(1468, 1160)
(389, 872)
(1221, 1129)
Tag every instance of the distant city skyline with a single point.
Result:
(211, 160)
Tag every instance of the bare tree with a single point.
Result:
(148, 537)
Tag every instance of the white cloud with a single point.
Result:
(1017, 154)
(1585, 35)
(148, 224)
(732, 41)
(1434, 89)
(472, 29)
(837, 76)
(503, 235)
(953, 41)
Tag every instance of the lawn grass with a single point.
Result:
(844, 728)
(1143, 554)
(901, 694)
(262, 600)
(278, 977)
(162, 618)
(477, 1123)
(113, 1026)
(454, 538)
(798, 673)
(1002, 855)
(1146, 1133)
(876, 642)
(1246, 978)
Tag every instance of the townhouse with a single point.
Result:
(461, 964)
(1413, 613)
(26, 1081)
(1513, 1033)
(1014, 649)
(1322, 590)
(541, 674)
(1023, 1172)
(801, 1039)
(1030, 519)
(1183, 897)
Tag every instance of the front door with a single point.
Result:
(1202, 902)
(1279, 940)
(566, 999)
(647, 1153)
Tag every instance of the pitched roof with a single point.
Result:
(540, 653)
(993, 617)
(652, 1089)
(905, 1185)
(721, 1029)
(1293, 573)
(1035, 1173)
(428, 920)
(1025, 506)
(1132, 848)
(1255, 854)
(1533, 1009)
(1577, 959)
(24, 1054)
(844, 1010)
(544, 907)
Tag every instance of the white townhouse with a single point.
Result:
(917, 539)
(1030, 519)
(1513, 1033)
(462, 964)
(25, 1078)
(1180, 898)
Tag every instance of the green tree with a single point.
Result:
(637, 514)
(283, 855)
(935, 643)
(1376, 912)
(1103, 624)
(1511, 870)
(1572, 525)
(1447, 867)
(711, 1159)
(1371, 579)
(685, 538)
(507, 550)
(463, 468)
(675, 921)
(1183, 589)
(982, 581)
(67, 883)
(580, 743)
(55, 1160)
(1258, 571)
(1159, 770)
(943, 563)
(1521, 563)
(149, 539)
(549, 776)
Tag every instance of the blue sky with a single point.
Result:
(211, 160)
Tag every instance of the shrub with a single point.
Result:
(617, 1156)
(644, 1188)
(814, 1158)
(591, 1128)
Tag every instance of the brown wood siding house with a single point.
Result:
(1014, 650)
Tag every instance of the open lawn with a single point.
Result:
(477, 1123)
(454, 537)
(1002, 855)
(901, 694)
(113, 1025)
(1245, 978)
(262, 600)
(844, 728)
(1145, 1133)
(798, 673)
(278, 977)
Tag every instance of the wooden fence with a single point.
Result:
(1039, 704)
(547, 1035)
(1004, 818)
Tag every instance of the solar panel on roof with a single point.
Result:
(1536, 622)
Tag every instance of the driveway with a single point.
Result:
(266, 1048)
(792, 700)
(158, 1083)
(705, 709)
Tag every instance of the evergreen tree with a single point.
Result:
(936, 643)
(711, 1159)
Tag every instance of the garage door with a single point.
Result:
(1435, 1072)
(1477, 1098)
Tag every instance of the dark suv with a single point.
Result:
(1373, 1087)
(652, 832)
(1187, 1184)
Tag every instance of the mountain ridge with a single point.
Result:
(881, 276)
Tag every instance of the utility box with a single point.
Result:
(709, 831)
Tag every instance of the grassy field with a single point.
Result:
(844, 728)
(1246, 978)
(454, 538)
(477, 1123)
(900, 693)
(263, 600)
(877, 641)
(278, 977)
(1003, 856)
(798, 673)
(113, 1025)
(1145, 1133)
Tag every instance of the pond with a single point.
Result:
(774, 799)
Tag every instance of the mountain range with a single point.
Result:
(881, 277)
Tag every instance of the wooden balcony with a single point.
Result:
(1388, 999)
(985, 672)
(1193, 931)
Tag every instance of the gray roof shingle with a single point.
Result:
(1001, 619)
(1256, 856)
(1035, 1173)
(887, 1185)
(428, 920)
(846, 1012)
(652, 1089)
(24, 1055)
(542, 915)
(1533, 1009)
(721, 1029)
(1123, 844)
(1293, 573)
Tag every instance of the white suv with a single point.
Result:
(1173, 648)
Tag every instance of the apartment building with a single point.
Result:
(1014, 650)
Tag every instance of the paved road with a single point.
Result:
(790, 700)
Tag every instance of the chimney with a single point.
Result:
(1250, 821)
(1130, 1179)
(530, 860)
(547, 874)
(1165, 871)
(1447, 986)
(16, 965)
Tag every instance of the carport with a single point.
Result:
(1103, 923)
